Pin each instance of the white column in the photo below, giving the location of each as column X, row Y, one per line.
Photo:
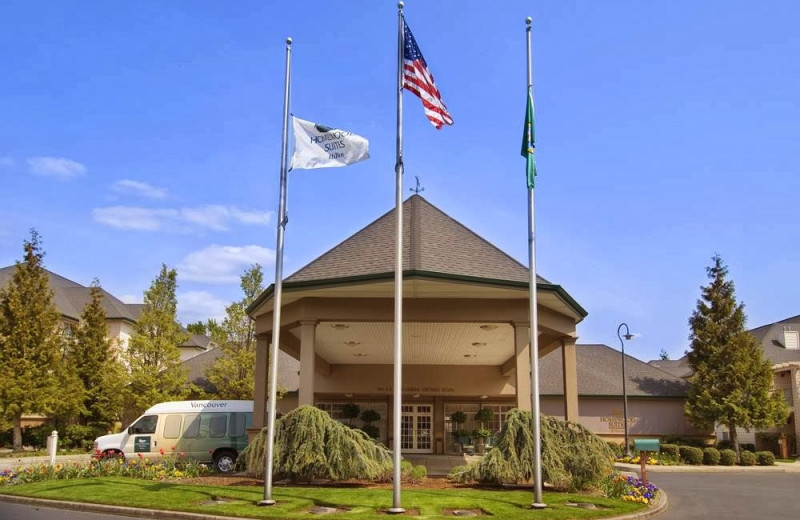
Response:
column 307, row 356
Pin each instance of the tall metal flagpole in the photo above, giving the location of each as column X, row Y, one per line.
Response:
column 398, row 274
column 534, row 328
column 276, row 298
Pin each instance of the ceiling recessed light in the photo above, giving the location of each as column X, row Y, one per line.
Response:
column 479, row 344
column 488, row 326
column 470, row 355
column 415, row 396
column 340, row 326
column 359, row 354
column 348, row 395
column 484, row 396
column 352, row 343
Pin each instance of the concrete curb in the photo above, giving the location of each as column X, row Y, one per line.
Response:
column 659, row 507
column 777, row 468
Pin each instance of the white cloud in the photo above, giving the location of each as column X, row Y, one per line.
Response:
column 200, row 306
column 139, row 188
column 139, row 219
column 131, row 298
column 222, row 264
column 56, row 167
column 214, row 217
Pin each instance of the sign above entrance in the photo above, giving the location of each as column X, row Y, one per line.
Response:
column 420, row 389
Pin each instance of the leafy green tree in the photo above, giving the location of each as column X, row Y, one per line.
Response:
column 97, row 365
column 210, row 328
column 31, row 344
column 663, row 355
column 732, row 382
column 233, row 373
column 153, row 357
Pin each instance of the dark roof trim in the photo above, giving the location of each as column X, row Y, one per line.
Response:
column 347, row 280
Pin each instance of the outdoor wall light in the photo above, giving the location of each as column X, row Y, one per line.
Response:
column 340, row 326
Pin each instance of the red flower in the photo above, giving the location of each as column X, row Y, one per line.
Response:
column 180, row 455
column 161, row 451
column 140, row 455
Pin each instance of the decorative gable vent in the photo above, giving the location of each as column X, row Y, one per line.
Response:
column 791, row 339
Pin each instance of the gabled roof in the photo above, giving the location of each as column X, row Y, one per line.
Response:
column 70, row 297
column 600, row 375
column 772, row 340
column 432, row 242
column 676, row 367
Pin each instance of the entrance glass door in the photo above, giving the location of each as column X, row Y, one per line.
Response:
column 416, row 428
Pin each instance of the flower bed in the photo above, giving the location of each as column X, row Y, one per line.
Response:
column 630, row 489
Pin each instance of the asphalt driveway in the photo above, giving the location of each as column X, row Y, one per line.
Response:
column 731, row 496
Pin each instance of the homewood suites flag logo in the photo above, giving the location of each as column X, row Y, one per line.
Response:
column 320, row 146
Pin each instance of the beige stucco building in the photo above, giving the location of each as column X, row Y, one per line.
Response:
column 465, row 329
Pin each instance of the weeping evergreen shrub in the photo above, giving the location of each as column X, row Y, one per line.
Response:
column 573, row 458
column 310, row 444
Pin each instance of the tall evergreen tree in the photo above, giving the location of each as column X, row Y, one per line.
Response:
column 97, row 364
column 153, row 357
column 732, row 382
column 233, row 373
column 31, row 344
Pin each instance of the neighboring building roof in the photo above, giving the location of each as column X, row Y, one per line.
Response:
column 600, row 375
column 432, row 242
column 71, row 297
column 676, row 367
column 288, row 369
column 771, row 338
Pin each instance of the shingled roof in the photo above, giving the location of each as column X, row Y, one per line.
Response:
column 772, row 340
column 71, row 297
column 432, row 242
column 600, row 375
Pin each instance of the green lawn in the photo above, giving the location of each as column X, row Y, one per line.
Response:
column 294, row 501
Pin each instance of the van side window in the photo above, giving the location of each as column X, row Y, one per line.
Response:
column 219, row 425
column 191, row 426
column 237, row 424
column 146, row 424
column 172, row 427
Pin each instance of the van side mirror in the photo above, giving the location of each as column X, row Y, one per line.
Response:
column 130, row 430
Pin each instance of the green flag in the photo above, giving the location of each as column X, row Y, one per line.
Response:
column 528, row 146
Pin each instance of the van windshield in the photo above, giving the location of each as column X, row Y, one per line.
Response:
column 146, row 424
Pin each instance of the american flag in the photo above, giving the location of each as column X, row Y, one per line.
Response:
column 419, row 80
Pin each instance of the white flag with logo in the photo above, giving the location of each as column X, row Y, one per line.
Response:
column 317, row 146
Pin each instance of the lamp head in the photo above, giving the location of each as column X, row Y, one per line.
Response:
column 628, row 336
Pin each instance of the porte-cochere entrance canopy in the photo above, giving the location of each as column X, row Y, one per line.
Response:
column 465, row 328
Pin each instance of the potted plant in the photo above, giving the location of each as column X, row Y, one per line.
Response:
column 350, row 411
column 482, row 416
column 460, row 434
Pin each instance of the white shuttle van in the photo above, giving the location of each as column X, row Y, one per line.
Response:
column 206, row 431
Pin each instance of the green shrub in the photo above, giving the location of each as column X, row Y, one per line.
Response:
column 691, row 455
column 711, row 456
column 727, row 457
column 670, row 450
column 36, row 436
column 80, row 437
column 724, row 444
column 370, row 429
column 483, row 415
column 370, row 416
column 747, row 458
column 765, row 458
column 458, row 417
column 418, row 473
column 617, row 448
column 310, row 445
column 749, row 446
column 684, row 441
column 573, row 457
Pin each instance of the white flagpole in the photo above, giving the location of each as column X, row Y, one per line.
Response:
column 276, row 297
column 398, row 276
column 534, row 328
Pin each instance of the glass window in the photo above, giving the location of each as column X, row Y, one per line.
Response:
column 146, row 424
column 191, row 426
column 172, row 426
column 219, row 425
column 237, row 424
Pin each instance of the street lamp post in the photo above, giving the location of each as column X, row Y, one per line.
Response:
column 629, row 337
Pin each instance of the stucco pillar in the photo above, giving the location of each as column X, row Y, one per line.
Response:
column 522, row 368
column 569, row 363
column 308, row 331
column 795, row 373
column 260, row 393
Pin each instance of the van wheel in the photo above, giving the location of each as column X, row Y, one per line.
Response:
column 224, row 461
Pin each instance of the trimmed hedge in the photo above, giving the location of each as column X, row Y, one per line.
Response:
column 617, row 448
column 747, row 458
column 765, row 458
column 727, row 457
column 691, row 455
column 670, row 450
column 711, row 456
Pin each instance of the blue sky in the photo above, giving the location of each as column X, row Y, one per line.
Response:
column 139, row 133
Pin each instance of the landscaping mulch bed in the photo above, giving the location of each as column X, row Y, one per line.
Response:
column 243, row 480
